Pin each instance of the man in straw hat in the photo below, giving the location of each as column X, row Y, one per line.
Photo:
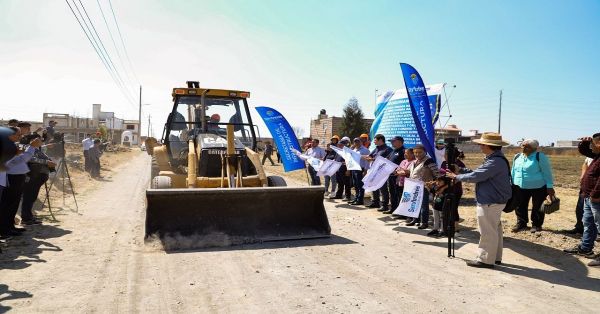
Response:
column 492, row 192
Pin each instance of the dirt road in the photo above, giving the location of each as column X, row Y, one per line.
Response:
column 97, row 262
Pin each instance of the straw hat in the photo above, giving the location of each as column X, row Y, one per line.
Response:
column 491, row 139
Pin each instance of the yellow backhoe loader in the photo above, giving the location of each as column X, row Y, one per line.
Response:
column 207, row 179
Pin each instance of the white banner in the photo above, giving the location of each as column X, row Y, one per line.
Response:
column 411, row 199
column 351, row 157
column 378, row 173
column 329, row 167
column 315, row 163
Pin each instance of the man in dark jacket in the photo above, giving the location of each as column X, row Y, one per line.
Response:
column 590, row 191
column 344, row 184
column 267, row 153
column 39, row 170
column 381, row 149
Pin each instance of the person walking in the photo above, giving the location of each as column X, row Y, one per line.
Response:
column 532, row 173
column 590, row 191
column 87, row 143
column 492, row 192
column 578, row 228
column 267, row 153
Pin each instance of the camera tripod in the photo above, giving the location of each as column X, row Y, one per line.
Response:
column 62, row 173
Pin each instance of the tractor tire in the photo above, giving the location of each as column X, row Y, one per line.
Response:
column 276, row 181
column 161, row 182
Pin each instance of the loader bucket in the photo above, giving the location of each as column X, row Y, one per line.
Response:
column 242, row 215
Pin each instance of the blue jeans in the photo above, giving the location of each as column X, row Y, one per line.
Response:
column 424, row 214
column 357, row 176
column 591, row 224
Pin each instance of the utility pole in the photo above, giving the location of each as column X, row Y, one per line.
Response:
column 148, row 135
column 500, row 112
column 140, row 119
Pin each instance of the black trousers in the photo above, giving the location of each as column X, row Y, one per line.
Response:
column 265, row 156
column 384, row 192
column 394, row 192
column 314, row 178
column 579, row 214
column 344, row 184
column 86, row 160
column 537, row 197
column 31, row 189
column 9, row 205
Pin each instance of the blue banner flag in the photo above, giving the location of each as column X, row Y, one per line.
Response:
column 283, row 136
column 393, row 114
column 419, row 105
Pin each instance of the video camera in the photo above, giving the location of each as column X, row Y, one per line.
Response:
column 7, row 147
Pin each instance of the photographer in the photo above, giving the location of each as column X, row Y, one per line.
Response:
column 40, row 166
column 94, row 154
column 16, row 170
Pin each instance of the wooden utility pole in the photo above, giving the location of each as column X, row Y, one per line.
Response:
column 500, row 112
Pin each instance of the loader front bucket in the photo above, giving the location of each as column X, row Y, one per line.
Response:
column 239, row 215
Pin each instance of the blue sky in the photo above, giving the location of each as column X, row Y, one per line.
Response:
column 302, row 56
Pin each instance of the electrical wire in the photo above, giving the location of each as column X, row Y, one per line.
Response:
column 123, row 42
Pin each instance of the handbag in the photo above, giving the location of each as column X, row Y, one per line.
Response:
column 550, row 205
column 514, row 200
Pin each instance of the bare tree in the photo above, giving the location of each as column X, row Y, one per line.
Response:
column 299, row 131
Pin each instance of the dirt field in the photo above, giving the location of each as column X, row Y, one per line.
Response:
column 96, row 261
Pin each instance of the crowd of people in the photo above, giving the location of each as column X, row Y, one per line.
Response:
column 495, row 180
column 28, row 159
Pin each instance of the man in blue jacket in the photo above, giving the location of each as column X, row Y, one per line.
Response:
column 492, row 192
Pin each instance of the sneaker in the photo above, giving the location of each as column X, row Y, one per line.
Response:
column 578, row 251
column 479, row 264
column 31, row 222
column 518, row 228
column 433, row 233
column 423, row 226
column 594, row 263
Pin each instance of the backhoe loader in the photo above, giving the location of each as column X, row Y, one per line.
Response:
column 207, row 179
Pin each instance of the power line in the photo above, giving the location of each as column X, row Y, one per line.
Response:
column 94, row 44
column 115, row 45
column 103, row 48
column 123, row 42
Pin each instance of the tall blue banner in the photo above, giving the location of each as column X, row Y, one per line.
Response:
column 393, row 114
column 283, row 136
column 419, row 104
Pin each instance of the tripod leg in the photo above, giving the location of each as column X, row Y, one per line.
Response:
column 72, row 189
column 48, row 198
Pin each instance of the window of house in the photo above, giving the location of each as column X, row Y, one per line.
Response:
column 130, row 127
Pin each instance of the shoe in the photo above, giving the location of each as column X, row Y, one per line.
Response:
column 433, row 233
column 334, row 197
column 373, row 205
column 423, row 226
column 348, row 200
column 593, row 256
column 411, row 223
column 578, row 251
column 31, row 222
column 389, row 211
column 326, row 193
column 383, row 208
column 535, row 229
column 18, row 230
column 498, row 262
column 594, row 263
column 518, row 228
column 479, row 264
column 442, row 235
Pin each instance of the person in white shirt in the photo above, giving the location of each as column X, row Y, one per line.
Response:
column 316, row 152
column 87, row 143
column 440, row 152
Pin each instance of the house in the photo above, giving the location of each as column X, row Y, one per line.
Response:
column 324, row 127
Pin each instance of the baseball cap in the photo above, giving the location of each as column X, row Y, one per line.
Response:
column 365, row 135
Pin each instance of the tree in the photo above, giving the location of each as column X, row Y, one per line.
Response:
column 299, row 131
column 353, row 124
